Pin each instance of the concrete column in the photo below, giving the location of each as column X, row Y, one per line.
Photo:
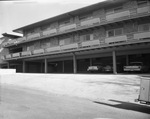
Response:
column 63, row 66
column 45, row 63
column 8, row 65
column 74, row 64
column 127, row 59
column 24, row 67
column 91, row 62
column 114, row 62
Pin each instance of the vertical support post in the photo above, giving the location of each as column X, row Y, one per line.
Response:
column 114, row 62
column 127, row 59
column 74, row 64
column 91, row 62
column 63, row 66
column 45, row 63
column 8, row 65
column 24, row 67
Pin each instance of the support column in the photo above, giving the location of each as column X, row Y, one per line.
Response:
column 114, row 62
column 91, row 62
column 127, row 59
column 74, row 64
column 24, row 67
column 45, row 63
column 63, row 66
column 8, row 65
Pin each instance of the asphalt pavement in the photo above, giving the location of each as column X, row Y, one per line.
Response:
column 23, row 103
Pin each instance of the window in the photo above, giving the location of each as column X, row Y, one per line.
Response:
column 110, row 33
column 113, row 10
column 118, row 31
column 118, row 9
column 142, row 2
column 85, row 17
column 109, row 11
column 87, row 37
column 54, row 42
column 64, row 22
column 144, row 27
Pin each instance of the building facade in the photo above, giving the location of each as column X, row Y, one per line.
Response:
column 7, row 37
column 108, row 33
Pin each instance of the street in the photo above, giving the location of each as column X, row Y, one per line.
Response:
column 24, row 103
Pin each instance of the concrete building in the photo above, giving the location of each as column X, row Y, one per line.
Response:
column 113, row 32
column 7, row 37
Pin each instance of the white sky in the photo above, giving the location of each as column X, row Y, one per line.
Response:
column 15, row 14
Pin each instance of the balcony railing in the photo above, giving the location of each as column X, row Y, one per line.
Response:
column 53, row 49
column 90, row 22
column 67, row 27
column 70, row 46
column 8, row 56
column 32, row 36
column 3, row 57
column 118, row 15
column 116, row 39
column 142, row 10
column 142, row 35
column 21, row 39
column 15, row 55
column 26, row 53
column 90, row 43
column 38, row 51
column 50, row 31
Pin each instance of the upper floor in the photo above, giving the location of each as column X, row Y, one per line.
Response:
column 120, row 33
column 89, row 17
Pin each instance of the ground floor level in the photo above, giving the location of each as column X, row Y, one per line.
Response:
column 79, row 61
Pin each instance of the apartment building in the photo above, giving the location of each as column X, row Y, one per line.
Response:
column 113, row 32
column 7, row 37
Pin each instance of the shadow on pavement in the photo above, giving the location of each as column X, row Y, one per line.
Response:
column 127, row 106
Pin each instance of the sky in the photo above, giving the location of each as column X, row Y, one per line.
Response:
column 16, row 14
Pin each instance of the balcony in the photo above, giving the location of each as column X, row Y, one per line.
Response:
column 15, row 55
column 116, row 39
column 20, row 39
column 67, row 27
column 32, row 36
column 90, row 43
column 53, row 49
column 26, row 53
column 8, row 56
column 90, row 22
column 3, row 57
column 38, row 51
column 118, row 15
column 70, row 46
column 143, row 10
column 50, row 31
column 142, row 35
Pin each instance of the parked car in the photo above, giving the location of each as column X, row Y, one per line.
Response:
column 95, row 69
column 107, row 68
column 136, row 67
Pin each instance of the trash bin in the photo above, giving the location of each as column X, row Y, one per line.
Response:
column 144, row 96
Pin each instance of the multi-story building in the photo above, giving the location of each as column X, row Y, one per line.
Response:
column 7, row 37
column 113, row 32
